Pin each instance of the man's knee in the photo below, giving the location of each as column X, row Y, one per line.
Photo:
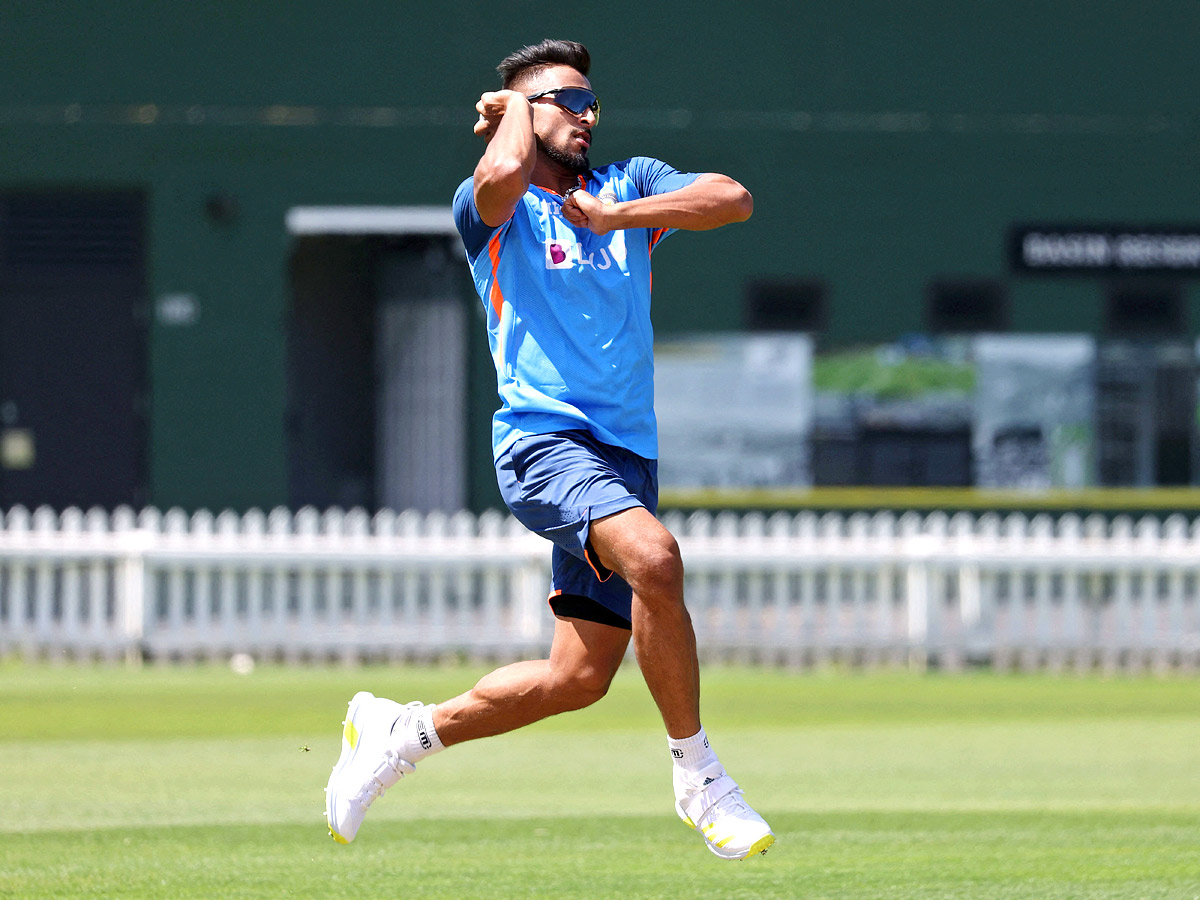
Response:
column 657, row 574
column 635, row 545
column 582, row 685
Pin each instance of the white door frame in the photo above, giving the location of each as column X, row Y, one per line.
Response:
column 435, row 221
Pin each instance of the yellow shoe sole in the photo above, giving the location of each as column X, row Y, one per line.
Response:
column 761, row 846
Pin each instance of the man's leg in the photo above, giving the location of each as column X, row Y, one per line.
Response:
column 636, row 546
column 383, row 740
column 584, row 657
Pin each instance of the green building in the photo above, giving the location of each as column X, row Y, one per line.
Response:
column 227, row 280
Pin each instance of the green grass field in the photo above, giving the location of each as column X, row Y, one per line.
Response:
column 193, row 782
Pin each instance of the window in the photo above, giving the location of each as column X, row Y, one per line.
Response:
column 1138, row 309
column 966, row 306
column 786, row 305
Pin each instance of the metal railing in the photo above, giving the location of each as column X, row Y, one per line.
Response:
column 798, row 589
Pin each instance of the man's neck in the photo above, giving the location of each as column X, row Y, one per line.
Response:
column 551, row 176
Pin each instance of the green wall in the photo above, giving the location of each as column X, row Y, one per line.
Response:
column 886, row 144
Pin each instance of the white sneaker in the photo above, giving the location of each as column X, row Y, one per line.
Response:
column 368, row 765
column 731, row 829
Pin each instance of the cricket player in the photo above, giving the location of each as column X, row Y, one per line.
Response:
column 560, row 253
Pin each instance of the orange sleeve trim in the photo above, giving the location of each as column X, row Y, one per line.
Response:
column 656, row 236
column 496, row 296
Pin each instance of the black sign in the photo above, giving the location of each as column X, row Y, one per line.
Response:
column 1093, row 250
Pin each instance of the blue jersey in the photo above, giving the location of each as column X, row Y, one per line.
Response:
column 568, row 311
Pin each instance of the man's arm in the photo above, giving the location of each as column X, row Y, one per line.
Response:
column 712, row 200
column 502, row 174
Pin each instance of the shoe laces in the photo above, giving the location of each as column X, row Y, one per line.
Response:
column 731, row 805
column 374, row 788
column 372, row 791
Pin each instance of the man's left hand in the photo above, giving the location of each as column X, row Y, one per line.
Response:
column 583, row 210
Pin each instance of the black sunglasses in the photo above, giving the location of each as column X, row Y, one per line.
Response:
column 577, row 100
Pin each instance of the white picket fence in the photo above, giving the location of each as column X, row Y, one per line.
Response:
column 798, row 589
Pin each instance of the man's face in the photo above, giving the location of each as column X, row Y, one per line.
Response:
column 562, row 135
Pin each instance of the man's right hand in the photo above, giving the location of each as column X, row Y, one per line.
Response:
column 491, row 108
column 503, row 172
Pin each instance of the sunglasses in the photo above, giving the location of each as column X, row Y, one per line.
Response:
column 577, row 100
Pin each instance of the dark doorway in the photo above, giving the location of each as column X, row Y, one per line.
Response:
column 1146, row 413
column 72, row 348
column 377, row 373
column 331, row 384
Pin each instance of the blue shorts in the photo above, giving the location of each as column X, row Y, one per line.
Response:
column 556, row 485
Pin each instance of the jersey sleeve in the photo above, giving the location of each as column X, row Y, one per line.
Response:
column 653, row 176
column 475, row 232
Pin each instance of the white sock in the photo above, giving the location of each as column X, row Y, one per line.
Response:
column 415, row 736
column 694, row 758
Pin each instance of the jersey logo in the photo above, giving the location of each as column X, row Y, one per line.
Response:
column 557, row 256
column 561, row 253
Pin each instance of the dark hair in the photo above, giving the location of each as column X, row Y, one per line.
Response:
column 528, row 61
